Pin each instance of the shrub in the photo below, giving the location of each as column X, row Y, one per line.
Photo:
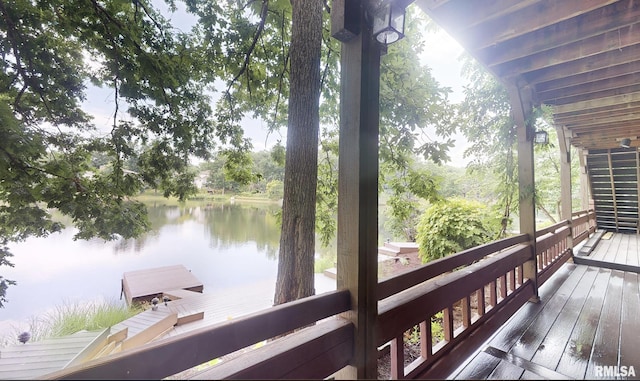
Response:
column 454, row 225
column 275, row 189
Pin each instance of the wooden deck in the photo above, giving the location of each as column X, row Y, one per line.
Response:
column 218, row 306
column 143, row 285
column 35, row 359
column 585, row 324
column 615, row 251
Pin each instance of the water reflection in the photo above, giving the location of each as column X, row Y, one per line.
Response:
column 225, row 224
column 224, row 245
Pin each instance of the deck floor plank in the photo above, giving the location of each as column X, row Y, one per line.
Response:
column 632, row 257
column 623, row 249
column 506, row 371
column 608, row 331
column 480, row 368
column 605, row 247
column 533, row 336
column 575, row 358
column 629, row 353
column 553, row 346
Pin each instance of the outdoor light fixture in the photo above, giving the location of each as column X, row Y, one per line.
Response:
column 541, row 137
column 154, row 303
column 625, row 143
column 388, row 23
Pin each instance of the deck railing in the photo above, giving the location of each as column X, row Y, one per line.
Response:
column 452, row 305
column 553, row 248
column 583, row 224
column 474, row 285
column 467, row 295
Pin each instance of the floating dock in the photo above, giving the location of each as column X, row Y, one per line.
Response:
column 144, row 285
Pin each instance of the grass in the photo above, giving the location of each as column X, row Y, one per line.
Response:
column 70, row 318
column 324, row 262
column 150, row 196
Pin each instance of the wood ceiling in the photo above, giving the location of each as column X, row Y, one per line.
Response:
column 580, row 56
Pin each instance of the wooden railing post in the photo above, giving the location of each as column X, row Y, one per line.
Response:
column 357, row 237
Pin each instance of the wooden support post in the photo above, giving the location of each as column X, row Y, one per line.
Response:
column 522, row 106
column 587, row 201
column 565, row 174
column 357, row 238
column 566, row 201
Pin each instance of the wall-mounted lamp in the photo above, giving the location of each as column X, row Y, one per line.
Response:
column 541, row 137
column 625, row 143
column 388, row 23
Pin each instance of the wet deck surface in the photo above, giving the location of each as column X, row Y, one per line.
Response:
column 587, row 319
column 614, row 251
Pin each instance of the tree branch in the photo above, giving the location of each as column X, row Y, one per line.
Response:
column 256, row 37
column 285, row 53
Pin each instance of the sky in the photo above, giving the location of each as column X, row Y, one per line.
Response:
column 441, row 54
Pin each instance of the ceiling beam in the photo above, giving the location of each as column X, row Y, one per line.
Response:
column 626, row 118
column 596, row 95
column 592, row 76
column 600, row 117
column 595, row 111
column 609, row 101
column 563, row 96
column 584, row 65
column 526, row 20
column 612, row 40
column 475, row 12
column 604, row 128
column 595, row 22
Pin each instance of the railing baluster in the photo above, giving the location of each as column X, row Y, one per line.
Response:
column 547, row 256
column 466, row 312
column 493, row 294
column 426, row 339
column 512, row 280
column 447, row 322
column 481, row 302
column 397, row 358
column 541, row 261
column 521, row 274
column 503, row 286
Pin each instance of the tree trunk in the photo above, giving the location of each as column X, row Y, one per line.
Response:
column 297, row 240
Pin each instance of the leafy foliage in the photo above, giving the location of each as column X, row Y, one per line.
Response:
column 275, row 189
column 414, row 110
column 454, row 225
column 51, row 51
column 485, row 119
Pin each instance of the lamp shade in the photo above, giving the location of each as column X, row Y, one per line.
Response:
column 541, row 137
column 388, row 23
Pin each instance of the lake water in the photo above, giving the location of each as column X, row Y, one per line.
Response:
column 224, row 245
